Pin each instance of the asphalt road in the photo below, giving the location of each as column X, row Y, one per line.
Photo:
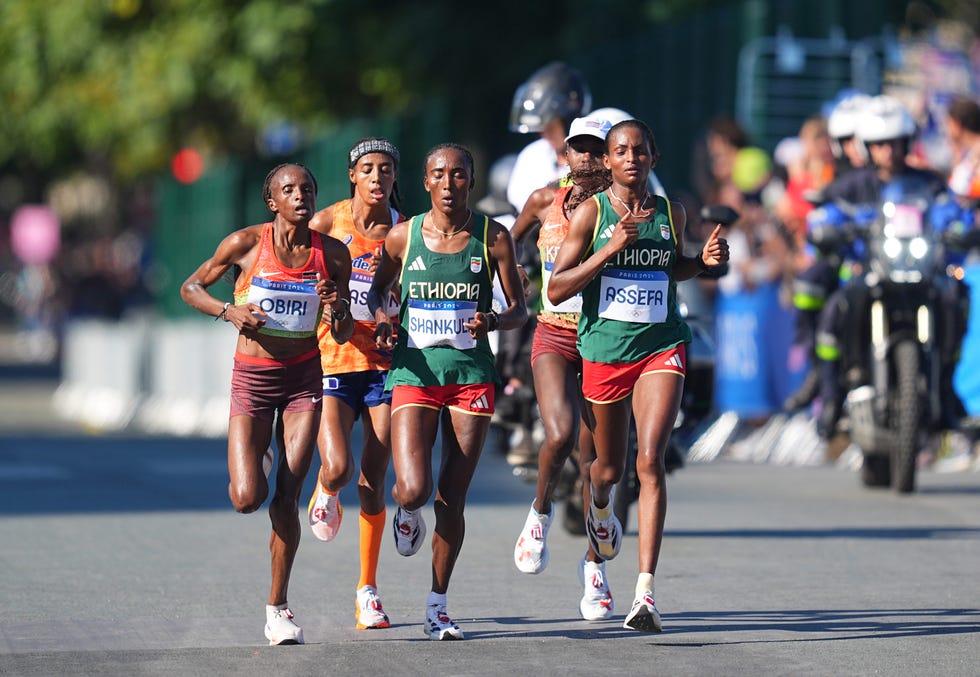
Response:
column 121, row 556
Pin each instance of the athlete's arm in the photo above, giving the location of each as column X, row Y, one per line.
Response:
column 572, row 271
column 714, row 252
column 236, row 249
column 337, row 258
column 389, row 266
column 535, row 210
column 503, row 257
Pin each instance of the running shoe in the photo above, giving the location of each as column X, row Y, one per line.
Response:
column 597, row 601
column 605, row 536
column 280, row 628
column 438, row 624
column 370, row 615
column 531, row 551
column 409, row 530
column 325, row 513
column 644, row 615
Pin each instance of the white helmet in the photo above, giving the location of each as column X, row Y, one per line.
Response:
column 613, row 115
column 884, row 119
column 842, row 121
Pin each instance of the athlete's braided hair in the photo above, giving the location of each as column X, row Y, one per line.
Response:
column 467, row 155
column 647, row 135
column 267, row 184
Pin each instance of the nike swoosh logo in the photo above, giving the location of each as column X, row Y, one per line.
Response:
column 317, row 399
column 551, row 226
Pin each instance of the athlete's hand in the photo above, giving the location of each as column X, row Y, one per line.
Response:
column 383, row 336
column 624, row 234
column 326, row 289
column 525, row 281
column 246, row 318
column 715, row 251
column 480, row 326
column 375, row 260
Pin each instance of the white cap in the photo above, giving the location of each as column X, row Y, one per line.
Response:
column 614, row 115
column 589, row 126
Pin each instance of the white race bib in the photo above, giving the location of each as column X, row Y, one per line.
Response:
column 289, row 306
column 634, row 295
column 572, row 305
column 360, row 284
column 440, row 323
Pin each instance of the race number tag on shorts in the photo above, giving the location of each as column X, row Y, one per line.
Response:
column 289, row 306
column 572, row 305
column 360, row 284
column 634, row 295
column 440, row 323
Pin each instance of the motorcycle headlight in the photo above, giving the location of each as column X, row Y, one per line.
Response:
column 918, row 247
column 892, row 247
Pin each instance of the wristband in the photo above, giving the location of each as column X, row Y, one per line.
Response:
column 493, row 321
column 701, row 264
column 223, row 314
column 342, row 315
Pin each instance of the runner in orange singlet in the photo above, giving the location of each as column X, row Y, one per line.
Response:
column 289, row 275
column 355, row 372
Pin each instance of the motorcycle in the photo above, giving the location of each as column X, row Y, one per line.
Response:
column 897, row 319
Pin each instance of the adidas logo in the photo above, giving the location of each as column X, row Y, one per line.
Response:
column 480, row 403
column 675, row 361
column 417, row 264
column 607, row 233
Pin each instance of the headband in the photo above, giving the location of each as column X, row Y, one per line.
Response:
column 373, row 146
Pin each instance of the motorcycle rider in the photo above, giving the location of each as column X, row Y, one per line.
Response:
column 814, row 285
column 545, row 104
column 884, row 133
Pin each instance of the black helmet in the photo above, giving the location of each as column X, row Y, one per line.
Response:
column 553, row 91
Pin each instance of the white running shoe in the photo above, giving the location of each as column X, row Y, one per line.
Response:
column 409, row 531
column 597, row 601
column 325, row 513
column 370, row 615
column 644, row 615
column 531, row 551
column 438, row 624
column 279, row 626
column 605, row 536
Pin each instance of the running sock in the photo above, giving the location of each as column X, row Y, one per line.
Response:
column 371, row 528
column 601, row 513
column 436, row 598
column 644, row 583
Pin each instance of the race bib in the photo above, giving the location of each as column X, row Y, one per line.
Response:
column 289, row 306
column 633, row 295
column 440, row 323
column 572, row 305
column 360, row 284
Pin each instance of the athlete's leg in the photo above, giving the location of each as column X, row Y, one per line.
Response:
column 299, row 436
column 413, row 432
column 248, row 438
column 556, row 385
column 336, row 456
column 375, row 457
column 463, row 435
column 611, row 434
column 656, row 401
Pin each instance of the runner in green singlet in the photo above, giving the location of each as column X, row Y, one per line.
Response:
column 442, row 370
column 623, row 253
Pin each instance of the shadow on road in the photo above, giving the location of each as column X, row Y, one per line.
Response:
column 827, row 624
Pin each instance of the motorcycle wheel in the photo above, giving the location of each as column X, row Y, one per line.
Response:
column 906, row 416
column 876, row 471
